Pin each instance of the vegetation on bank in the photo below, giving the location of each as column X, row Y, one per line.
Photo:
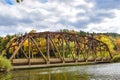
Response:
column 5, row 64
column 116, row 58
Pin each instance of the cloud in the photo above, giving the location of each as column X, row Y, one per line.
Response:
column 52, row 15
column 107, row 24
column 107, row 4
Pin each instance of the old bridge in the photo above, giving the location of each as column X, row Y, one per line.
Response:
column 55, row 48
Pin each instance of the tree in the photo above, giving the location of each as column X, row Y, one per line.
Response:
column 107, row 41
column 32, row 31
column 18, row 1
column 82, row 33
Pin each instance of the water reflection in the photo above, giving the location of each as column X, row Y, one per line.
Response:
column 89, row 72
column 5, row 76
column 46, row 74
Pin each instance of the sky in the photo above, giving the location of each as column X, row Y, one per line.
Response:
column 52, row 15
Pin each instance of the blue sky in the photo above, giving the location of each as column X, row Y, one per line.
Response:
column 9, row 2
column 52, row 15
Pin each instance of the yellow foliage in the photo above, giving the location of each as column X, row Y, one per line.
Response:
column 3, row 52
column 55, row 40
column 42, row 42
column 107, row 41
column 34, row 52
column 26, row 43
column 73, row 32
column 13, row 44
column 11, row 50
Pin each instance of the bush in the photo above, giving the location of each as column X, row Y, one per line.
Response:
column 5, row 64
column 116, row 58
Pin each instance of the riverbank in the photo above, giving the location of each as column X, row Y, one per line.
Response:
column 5, row 64
column 116, row 58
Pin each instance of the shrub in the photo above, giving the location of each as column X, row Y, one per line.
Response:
column 116, row 58
column 5, row 64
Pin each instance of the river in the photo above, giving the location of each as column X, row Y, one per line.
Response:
column 84, row 72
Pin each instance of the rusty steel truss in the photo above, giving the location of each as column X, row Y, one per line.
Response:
column 56, row 47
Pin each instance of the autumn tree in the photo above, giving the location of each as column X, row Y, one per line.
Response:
column 18, row 1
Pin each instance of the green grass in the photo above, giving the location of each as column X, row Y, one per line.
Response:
column 5, row 64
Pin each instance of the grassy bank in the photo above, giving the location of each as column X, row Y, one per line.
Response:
column 116, row 58
column 5, row 64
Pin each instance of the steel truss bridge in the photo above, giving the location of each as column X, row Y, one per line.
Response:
column 55, row 48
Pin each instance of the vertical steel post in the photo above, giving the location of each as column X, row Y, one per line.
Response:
column 47, row 48
column 63, row 50
column 29, row 47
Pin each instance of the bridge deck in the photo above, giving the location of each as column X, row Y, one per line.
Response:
column 17, row 62
column 56, row 65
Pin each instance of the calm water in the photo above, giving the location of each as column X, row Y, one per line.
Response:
column 88, row 72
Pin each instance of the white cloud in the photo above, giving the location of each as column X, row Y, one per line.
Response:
column 54, row 15
column 107, row 25
column 51, row 19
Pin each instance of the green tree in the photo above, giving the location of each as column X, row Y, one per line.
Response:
column 18, row 1
column 82, row 33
